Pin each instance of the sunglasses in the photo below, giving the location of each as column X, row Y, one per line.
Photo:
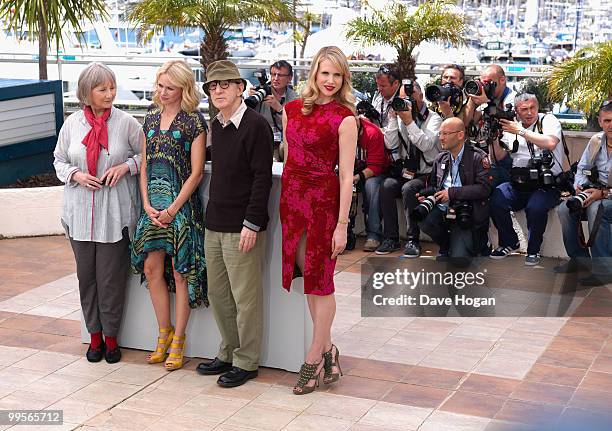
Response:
column 212, row 86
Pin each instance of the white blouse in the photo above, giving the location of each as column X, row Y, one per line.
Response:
column 99, row 215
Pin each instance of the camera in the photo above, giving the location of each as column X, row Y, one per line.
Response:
column 425, row 207
column 437, row 93
column 366, row 109
column 261, row 91
column 575, row 203
column 539, row 168
column 461, row 213
column 492, row 129
column 476, row 87
column 403, row 104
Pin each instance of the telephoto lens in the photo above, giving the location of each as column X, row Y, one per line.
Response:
column 400, row 104
column 422, row 209
column 255, row 99
column 575, row 203
column 473, row 87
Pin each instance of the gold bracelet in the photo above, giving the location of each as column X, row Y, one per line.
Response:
column 345, row 221
column 168, row 212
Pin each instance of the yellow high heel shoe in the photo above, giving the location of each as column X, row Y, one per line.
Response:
column 162, row 346
column 175, row 358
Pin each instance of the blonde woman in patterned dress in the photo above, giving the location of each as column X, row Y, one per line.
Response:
column 169, row 242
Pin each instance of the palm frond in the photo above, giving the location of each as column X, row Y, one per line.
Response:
column 584, row 78
column 397, row 26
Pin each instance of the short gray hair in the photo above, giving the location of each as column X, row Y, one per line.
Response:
column 524, row 97
column 94, row 74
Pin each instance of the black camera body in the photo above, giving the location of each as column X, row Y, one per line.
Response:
column 424, row 208
column 492, row 128
column 261, row 91
column 400, row 104
column 540, row 168
column 476, row 87
column 437, row 93
column 368, row 110
column 460, row 212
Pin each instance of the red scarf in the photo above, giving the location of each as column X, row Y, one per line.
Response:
column 96, row 137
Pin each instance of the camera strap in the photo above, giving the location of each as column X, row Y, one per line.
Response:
column 565, row 149
column 594, row 230
column 383, row 112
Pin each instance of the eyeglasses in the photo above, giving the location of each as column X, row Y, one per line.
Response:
column 279, row 75
column 445, row 134
column 384, row 70
column 606, row 103
column 212, row 86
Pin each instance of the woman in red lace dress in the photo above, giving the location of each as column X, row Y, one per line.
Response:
column 320, row 133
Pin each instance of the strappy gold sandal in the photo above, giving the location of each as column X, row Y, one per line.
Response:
column 308, row 373
column 162, row 346
column 331, row 361
column 175, row 358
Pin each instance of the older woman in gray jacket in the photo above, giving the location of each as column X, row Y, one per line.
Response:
column 98, row 158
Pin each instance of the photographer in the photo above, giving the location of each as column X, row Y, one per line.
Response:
column 535, row 165
column 412, row 138
column 460, row 220
column 452, row 75
column 370, row 162
column 593, row 182
column 492, row 77
column 271, row 107
column 387, row 82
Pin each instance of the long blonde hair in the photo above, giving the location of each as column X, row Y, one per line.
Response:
column 181, row 75
column 310, row 93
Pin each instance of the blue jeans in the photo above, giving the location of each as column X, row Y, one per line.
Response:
column 506, row 198
column 371, row 207
column 500, row 171
column 601, row 250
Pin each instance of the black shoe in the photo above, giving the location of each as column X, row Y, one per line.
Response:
column 236, row 377
column 113, row 356
column 96, row 355
column 388, row 246
column 412, row 249
column 594, row 280
column 217, row 366
column 442, row 256
column 571, row 266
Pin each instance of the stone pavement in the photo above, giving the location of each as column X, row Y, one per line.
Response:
column 459, row 373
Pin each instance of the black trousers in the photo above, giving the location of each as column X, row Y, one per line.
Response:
column 391, row 189
column 102, row 270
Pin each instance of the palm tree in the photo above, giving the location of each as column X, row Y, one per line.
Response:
column 395, row 25
column 584, row 78
column 46, row 18
column 214, row 17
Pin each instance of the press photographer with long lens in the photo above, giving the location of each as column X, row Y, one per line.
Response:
column 270, row 96
column 490, row 94
column 448, row 97
column 371, row 160
column 412, row 138
column 536, row 164
column 593, row 185
column 456, row 216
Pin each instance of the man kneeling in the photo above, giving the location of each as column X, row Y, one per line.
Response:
column 458, row 219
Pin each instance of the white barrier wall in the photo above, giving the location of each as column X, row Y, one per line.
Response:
column 31, row 211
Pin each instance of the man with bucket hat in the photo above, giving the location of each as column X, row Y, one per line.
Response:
column 236, row 219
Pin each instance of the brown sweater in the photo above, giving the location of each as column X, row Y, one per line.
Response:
column 241, row 175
